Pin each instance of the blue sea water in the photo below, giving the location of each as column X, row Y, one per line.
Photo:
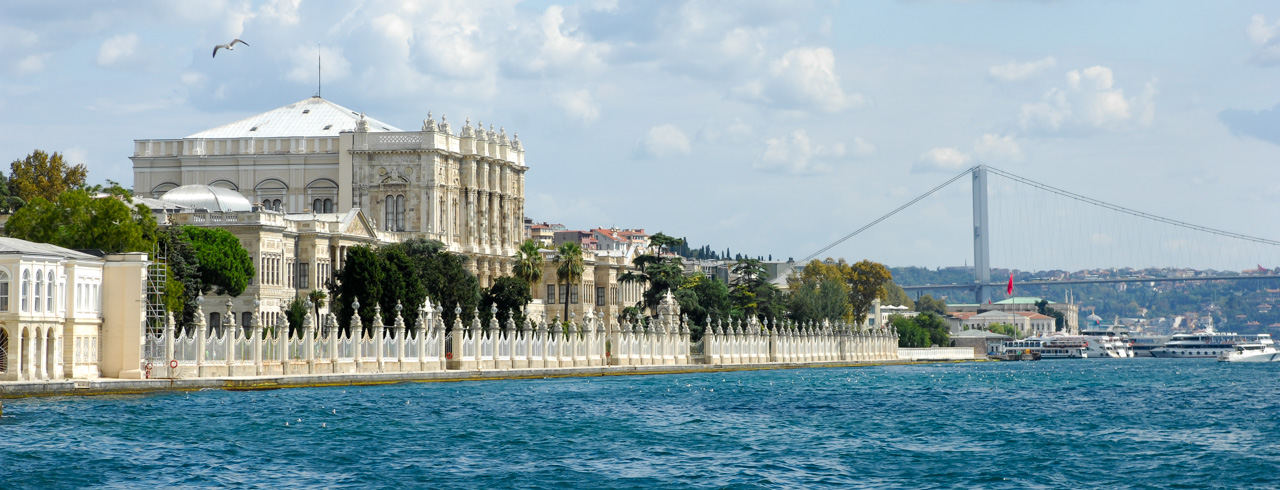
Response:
column 1125, row 422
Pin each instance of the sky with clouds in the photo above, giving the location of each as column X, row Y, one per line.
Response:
column 771, row 128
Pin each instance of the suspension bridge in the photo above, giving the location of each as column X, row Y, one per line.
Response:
column 1087, row 230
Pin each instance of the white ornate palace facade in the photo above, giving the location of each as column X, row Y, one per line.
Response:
column 465, row 190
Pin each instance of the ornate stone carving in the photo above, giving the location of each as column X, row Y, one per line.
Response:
column 429, row 124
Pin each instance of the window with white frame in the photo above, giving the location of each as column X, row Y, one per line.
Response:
column 4, row 291
column 39, row 302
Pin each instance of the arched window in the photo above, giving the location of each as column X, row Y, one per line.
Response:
column 39, row 290
column 159, row 190
column 323, row 193
column 49, row 296
column 400, row 212
column 26, row 289
column 4, row 292
column 389, row 213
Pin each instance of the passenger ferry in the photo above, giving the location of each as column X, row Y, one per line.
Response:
column 1053, row 347
column 1261, row 350
column 1201, row 344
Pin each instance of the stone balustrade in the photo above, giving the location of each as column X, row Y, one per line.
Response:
column 256, row 349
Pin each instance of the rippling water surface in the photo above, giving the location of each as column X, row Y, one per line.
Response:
column 1139, row 422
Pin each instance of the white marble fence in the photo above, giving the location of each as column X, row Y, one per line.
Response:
column 256, row 349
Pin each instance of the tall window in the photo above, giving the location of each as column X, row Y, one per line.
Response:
column 39, row 290
column 564, row 293
column 551, row 294
column 26, row 289
column 394, row 212
column 573, row 294
column 49, row 296
column 4, row 291
column 599, row 296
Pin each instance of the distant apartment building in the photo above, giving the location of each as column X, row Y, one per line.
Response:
column 620, row 239
column 544, row 233
column 584, row 239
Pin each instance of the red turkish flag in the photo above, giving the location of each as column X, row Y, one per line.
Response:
column 1009, row 290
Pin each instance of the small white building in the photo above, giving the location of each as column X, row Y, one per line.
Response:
column 69, row 314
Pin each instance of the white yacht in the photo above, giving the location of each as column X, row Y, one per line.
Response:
column 1201, row 344
column 1261, row 350
column 1106, row 343
column 1050, row 347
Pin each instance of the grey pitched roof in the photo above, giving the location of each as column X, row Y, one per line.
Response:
column 18, row 246
column 310, row 117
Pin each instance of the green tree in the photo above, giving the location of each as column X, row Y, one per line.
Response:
column 360, row 280
column 1059, row 320
column 510, row 295
column 923, row 330
column 703, row 298
column 752, row 294
column 223, row 264
column 1005, row 329
column 928, row 304
column 569, row 268
column 8, row 202
column 818, row 300
column 664, row 242
column 528, row 265
column 866, row 280
column 317, row 298
column 895, row 295
column 78, row 220
column 43, row 175
column 296, row 314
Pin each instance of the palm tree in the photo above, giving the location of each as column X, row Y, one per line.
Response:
column 528, row 266
column 317, row 298
column 569, row 268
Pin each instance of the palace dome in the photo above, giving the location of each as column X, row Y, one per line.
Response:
column 216, row 199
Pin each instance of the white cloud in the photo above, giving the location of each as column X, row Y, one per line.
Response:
column 862, row 148
column 32, row 64
column 117, row 50
column 1014, row 71
column 803, row 78
column 1091, row 101
column 994, row 148
column 798, row 154
column 579, row 105
column 559, row 45
column 943, row 160
column 733, row 131
column 75, row 155
column 665, row 141
column 1263, row 34
column 1259, row 31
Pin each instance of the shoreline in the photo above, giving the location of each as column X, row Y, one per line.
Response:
column 109, row 386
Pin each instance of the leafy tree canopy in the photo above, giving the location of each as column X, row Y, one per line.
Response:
column 43, row 175
column 509, row 295
column 223, row 263
column 78, row 220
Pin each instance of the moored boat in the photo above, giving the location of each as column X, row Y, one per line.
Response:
column 1261, row 350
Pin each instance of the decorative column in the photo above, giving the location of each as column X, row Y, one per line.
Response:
column 418, row 328
column 331, row 332
column 508, row 360
column 309, row 337
column 282, row 340
column 202, row 335
column 355, row 333
column 400, row 338
column 255, row 324
column 229, row 336
column 378, row 331
column 457, row 341
column 168, row 344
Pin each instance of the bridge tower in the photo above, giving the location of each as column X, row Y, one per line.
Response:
column 981, row 236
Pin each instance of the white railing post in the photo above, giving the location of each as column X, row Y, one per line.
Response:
column 400, row 338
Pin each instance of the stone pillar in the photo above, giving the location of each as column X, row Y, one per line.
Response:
column 169, row 336
column 378, row 331
column 400, row 338
column 282, row 341
column 458, row 340
column 229, row 335
column 331, row 332
column 308, row 338
column 355, row 333
column 256, row 343
column 202, row 335
column 419, row 327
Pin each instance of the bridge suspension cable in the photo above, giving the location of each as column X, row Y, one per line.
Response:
column 1131, row 212
column 887, row 216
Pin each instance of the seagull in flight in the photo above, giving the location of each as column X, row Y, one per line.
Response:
column 229, row 46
